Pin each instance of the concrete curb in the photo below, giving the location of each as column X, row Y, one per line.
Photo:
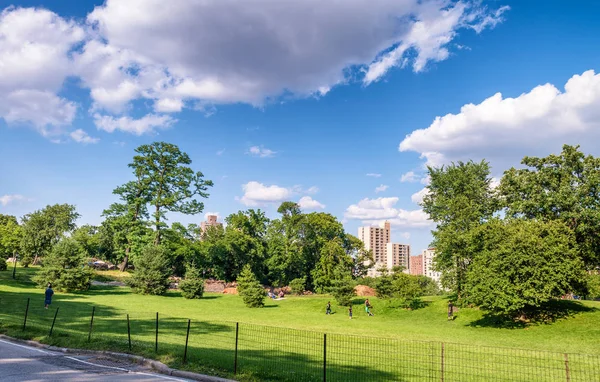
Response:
column 155, row 365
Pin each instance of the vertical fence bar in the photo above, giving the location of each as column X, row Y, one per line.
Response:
column 91, row 324
column 156, row 337
column 187, row 336
column 442, row 362
column 237, row 333
column 26, row 311
column 53, row 321
column 128, row 332
column 324, row 357
column 567, row 371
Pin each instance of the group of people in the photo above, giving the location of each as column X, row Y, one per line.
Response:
column 368, row 308
column 274, row 296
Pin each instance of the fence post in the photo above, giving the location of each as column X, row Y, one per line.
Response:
column 324, row 357
column 15, row 267
column 567, row 367
column 187, row 336
column 156, row 337
column 91, row 324
column 53, row 321
column 237, row 333
column 26, row 311
column 442, row 362
column 128, row 332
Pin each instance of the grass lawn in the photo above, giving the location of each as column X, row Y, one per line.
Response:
column 396, row 337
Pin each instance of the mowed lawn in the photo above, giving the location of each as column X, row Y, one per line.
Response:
column 213, row 328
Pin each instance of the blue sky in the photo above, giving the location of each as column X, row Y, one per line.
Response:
column 298, row 102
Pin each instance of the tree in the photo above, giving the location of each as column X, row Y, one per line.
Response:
column 334, row 264
column 521, row 265
column 460, row 199
column 86, row 237
column 193, row 284
column 298, row 285
column 44, row 228
column 400, row 287
column 152, row 272
column 3, row 265
column 65, row 267
column 342, row 289
column 564, row 187
column 171, row 185
column 11, row 235
column 250, row 289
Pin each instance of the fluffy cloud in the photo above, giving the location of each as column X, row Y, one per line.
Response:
column 312, row 190
column 146, row 124
column 381, row 188
column 308, row 203
column 261, row 152
column 9, row 199
column 373, row 175
column 376, row 211
column 418, row 196
column 81, row 136
column 503, row 130
column 256, row 194
column 408, row 177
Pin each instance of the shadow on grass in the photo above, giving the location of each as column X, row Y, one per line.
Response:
column 547, row 314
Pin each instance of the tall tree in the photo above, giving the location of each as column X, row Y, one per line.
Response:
column 44, row 228
column 11, row 234
column 460, row 199
column 171, row 184
column 564, row 187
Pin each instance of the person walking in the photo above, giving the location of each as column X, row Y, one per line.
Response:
column 350, row 311
column 49, row 294
column 328, row 309
column 368, row 307
column 450, row 310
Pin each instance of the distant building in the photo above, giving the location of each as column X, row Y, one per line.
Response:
column 385, row 253
column 397, row 255
column 211, row 221
column 416, row 265
column 428, row 265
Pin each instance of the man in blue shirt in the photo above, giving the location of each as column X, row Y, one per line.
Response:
column 49, row 293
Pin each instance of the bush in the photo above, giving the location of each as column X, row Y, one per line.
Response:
column 152, row 272
column 193, row 284
column 402, row 289
column 298, row 285
column 593, row 286
column 250, row 289
column 65, row 268
column 343, row 291
column 3, row 265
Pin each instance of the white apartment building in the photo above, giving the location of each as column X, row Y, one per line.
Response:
column 385, row 253
column 397, row 255
column 428, row 256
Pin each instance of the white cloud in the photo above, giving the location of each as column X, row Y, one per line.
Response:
column 147, row 124
column 373, row 175
column 256, row 194
column 418, row 196
column 168, row 105
column 408, row 177
column 376, row 211
column 261, row 152
column 425, row 180
column 503, row 130
column 312, row 190
column 308, row 203
column 405, row 235
column 9, row 199
column 220, row 152
column 81, row 136
column 381, row 188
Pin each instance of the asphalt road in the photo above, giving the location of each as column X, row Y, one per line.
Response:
column 24, row 363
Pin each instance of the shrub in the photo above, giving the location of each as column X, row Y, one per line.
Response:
column 593, row 286
column 343, row 290
column 3, row 265
column 250, row 289
column 65, row 268
column 402, row 289
column 193, row 284
column 152, row 271
column 298, row 285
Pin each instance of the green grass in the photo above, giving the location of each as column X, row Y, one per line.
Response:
column 284, row 340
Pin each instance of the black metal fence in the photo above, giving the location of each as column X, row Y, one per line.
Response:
column 257, row 352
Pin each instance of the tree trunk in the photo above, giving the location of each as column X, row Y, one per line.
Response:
column 123, row 265
column 157, row 239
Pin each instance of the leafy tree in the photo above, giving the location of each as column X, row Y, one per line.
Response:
column 460, row 199
column 298, row 285
column 521, row 265
column 11, row 235
column 428, row 286
column 564, row 187
column 152, row 272
column 44, row 228
column 65, row 267
column 400, row 287
column 250, row 289
column 3, row 265
column 334, row 264
column 170, row 184
column 384, row 287
column 86, row 237
column 193, row 284
column 593, row 285
column 342, row 289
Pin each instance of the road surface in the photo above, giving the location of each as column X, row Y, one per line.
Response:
column 23, row 363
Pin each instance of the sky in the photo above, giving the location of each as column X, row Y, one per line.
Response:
column 337, row 105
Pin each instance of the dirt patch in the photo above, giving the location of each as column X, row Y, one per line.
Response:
column 363, row 290
column 230, row 290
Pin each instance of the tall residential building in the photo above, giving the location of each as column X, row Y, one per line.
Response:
column 428, row 256
column 385, row 253
column 397, row 255
column 416, row 265
column 211, row 221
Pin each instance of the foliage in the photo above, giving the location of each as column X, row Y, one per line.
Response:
column 193, row 284
column 10, row 236
column 66, row 267
column 297, row 285
column 593, row 285
column 400, row 287
column 560, row 187
column 44, row 228
column 250, row 289
column 460, row 199
column 152, row 271
column 3, row 264
column 428, row 286
column 342, row 289
column 521, row 265
column 334, row 263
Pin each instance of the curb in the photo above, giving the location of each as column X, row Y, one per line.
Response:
column 155, row 365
